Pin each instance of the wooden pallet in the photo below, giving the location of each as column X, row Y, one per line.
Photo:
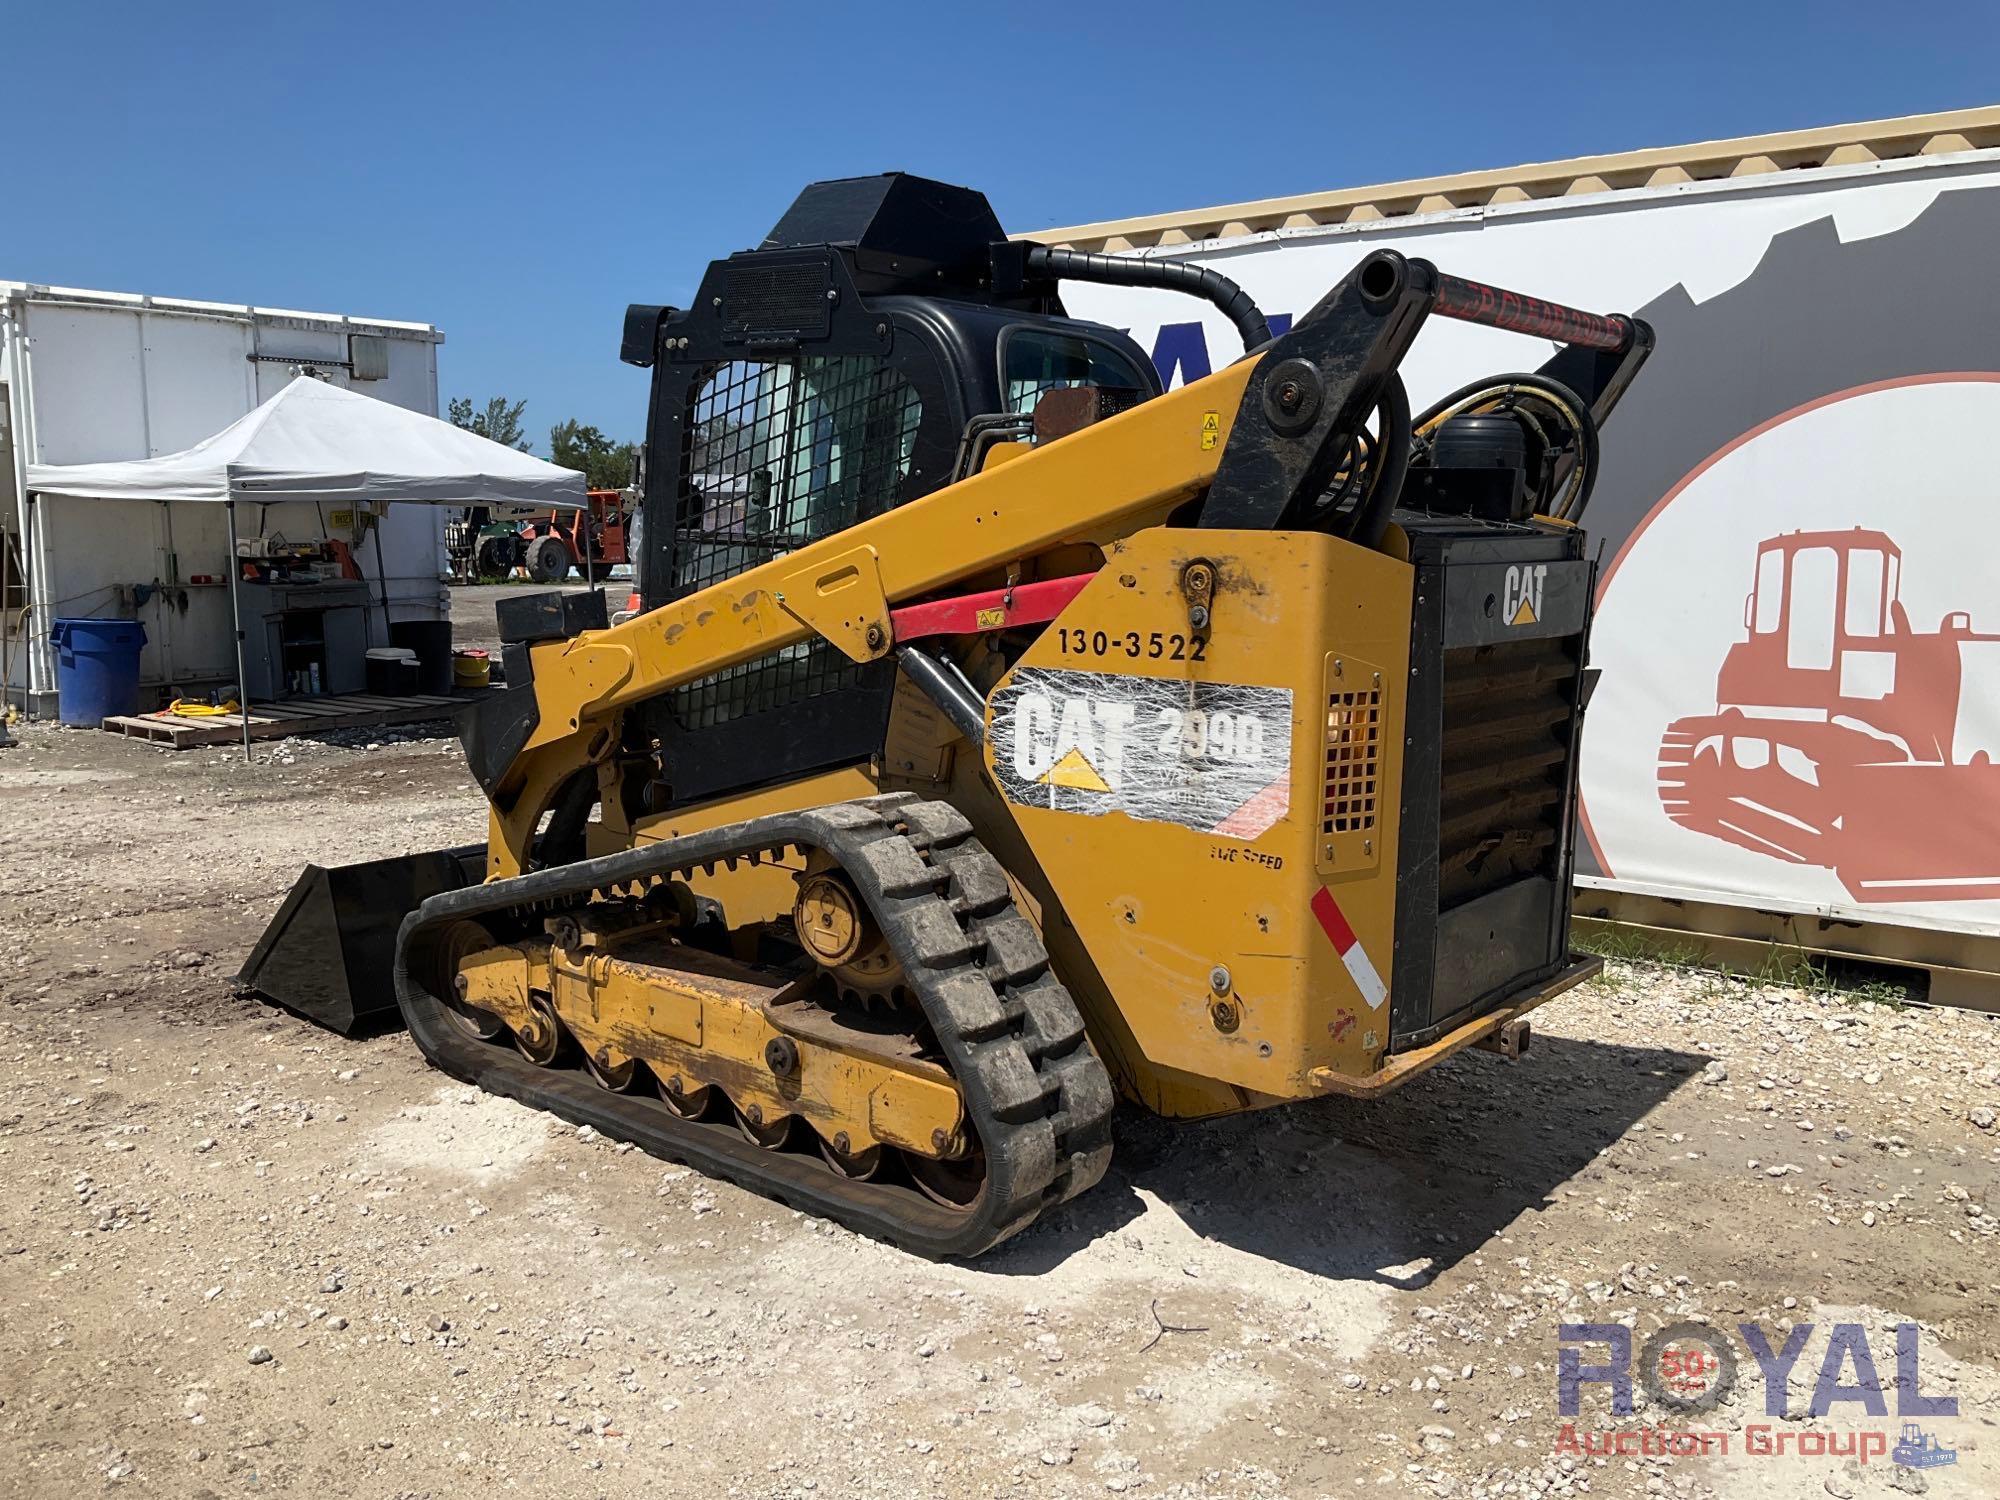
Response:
column 288, row 716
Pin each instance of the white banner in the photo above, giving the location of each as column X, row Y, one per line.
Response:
column 1799, row 609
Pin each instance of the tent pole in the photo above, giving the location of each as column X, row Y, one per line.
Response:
column 236, row 620
column 382, row 575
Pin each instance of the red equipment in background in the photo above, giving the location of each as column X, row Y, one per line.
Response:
column 1840, row 737
column 563, row 540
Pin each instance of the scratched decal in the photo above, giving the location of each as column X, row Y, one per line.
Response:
column 1213, row 756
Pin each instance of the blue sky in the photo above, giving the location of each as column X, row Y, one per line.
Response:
column 516, row 174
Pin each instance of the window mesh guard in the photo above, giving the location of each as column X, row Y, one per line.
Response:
column 777, row 454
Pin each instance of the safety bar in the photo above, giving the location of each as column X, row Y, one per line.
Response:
column 1496, row 307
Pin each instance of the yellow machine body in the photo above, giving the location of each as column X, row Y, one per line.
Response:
column 1157, row 908
column 1172, row 766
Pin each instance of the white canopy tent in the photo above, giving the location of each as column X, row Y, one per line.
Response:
column 317, row 442
column 314, row 442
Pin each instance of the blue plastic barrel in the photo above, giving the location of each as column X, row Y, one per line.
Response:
column 97, row 668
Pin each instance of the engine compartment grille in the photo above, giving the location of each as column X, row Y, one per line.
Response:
column 1353, row 760
column 1508, row 711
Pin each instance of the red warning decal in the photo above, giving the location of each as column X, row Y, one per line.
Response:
column 1333, row 922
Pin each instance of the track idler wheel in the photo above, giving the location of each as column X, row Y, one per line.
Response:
column 461, row 940
column 541, row 1038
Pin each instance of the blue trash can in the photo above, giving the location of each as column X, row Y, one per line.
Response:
column 97, row 668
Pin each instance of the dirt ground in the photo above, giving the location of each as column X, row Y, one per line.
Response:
column 239, row 1254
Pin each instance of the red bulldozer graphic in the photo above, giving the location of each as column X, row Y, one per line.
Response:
column 1839, row 738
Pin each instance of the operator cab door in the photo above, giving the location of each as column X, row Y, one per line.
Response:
column 771, row 451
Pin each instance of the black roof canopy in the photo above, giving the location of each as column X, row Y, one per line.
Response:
column 898, row 229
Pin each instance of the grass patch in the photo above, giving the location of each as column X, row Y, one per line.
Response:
column 1852, row 980
column 1632, row 946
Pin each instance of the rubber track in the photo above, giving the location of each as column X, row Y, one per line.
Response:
column 1035, row 1094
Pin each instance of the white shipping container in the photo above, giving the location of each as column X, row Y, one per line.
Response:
column 1798, row 619
column 88, row 376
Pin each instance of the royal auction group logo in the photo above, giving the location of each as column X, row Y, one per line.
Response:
column 1688, row 1369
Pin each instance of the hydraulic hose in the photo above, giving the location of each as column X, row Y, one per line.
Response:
column 1172, row 275
column 1392, row 450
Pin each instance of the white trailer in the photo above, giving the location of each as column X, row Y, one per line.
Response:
column 88, row 376
column 1796, row 737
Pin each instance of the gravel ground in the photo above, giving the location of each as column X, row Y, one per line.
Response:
column 238, row 1253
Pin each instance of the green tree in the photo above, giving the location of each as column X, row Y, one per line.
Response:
column 500, row 422
column 605, row 465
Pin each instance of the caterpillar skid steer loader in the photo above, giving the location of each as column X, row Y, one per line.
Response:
column 1002, row 734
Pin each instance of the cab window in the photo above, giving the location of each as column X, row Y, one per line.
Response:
column 1036, row 360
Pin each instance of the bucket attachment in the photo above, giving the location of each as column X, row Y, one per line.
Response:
column 330, row 952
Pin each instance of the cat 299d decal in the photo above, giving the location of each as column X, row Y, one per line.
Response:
column 1212, row 756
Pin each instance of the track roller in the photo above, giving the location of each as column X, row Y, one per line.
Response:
column 627, row 1077
column 773, row 1131
column 857, row 1165
column 948, row 1183
column 684, row 1102
column 461, row 940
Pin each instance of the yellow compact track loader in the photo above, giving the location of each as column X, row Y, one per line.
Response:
column 1002, row 734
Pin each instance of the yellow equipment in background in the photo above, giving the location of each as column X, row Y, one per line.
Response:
column 1004, row 734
